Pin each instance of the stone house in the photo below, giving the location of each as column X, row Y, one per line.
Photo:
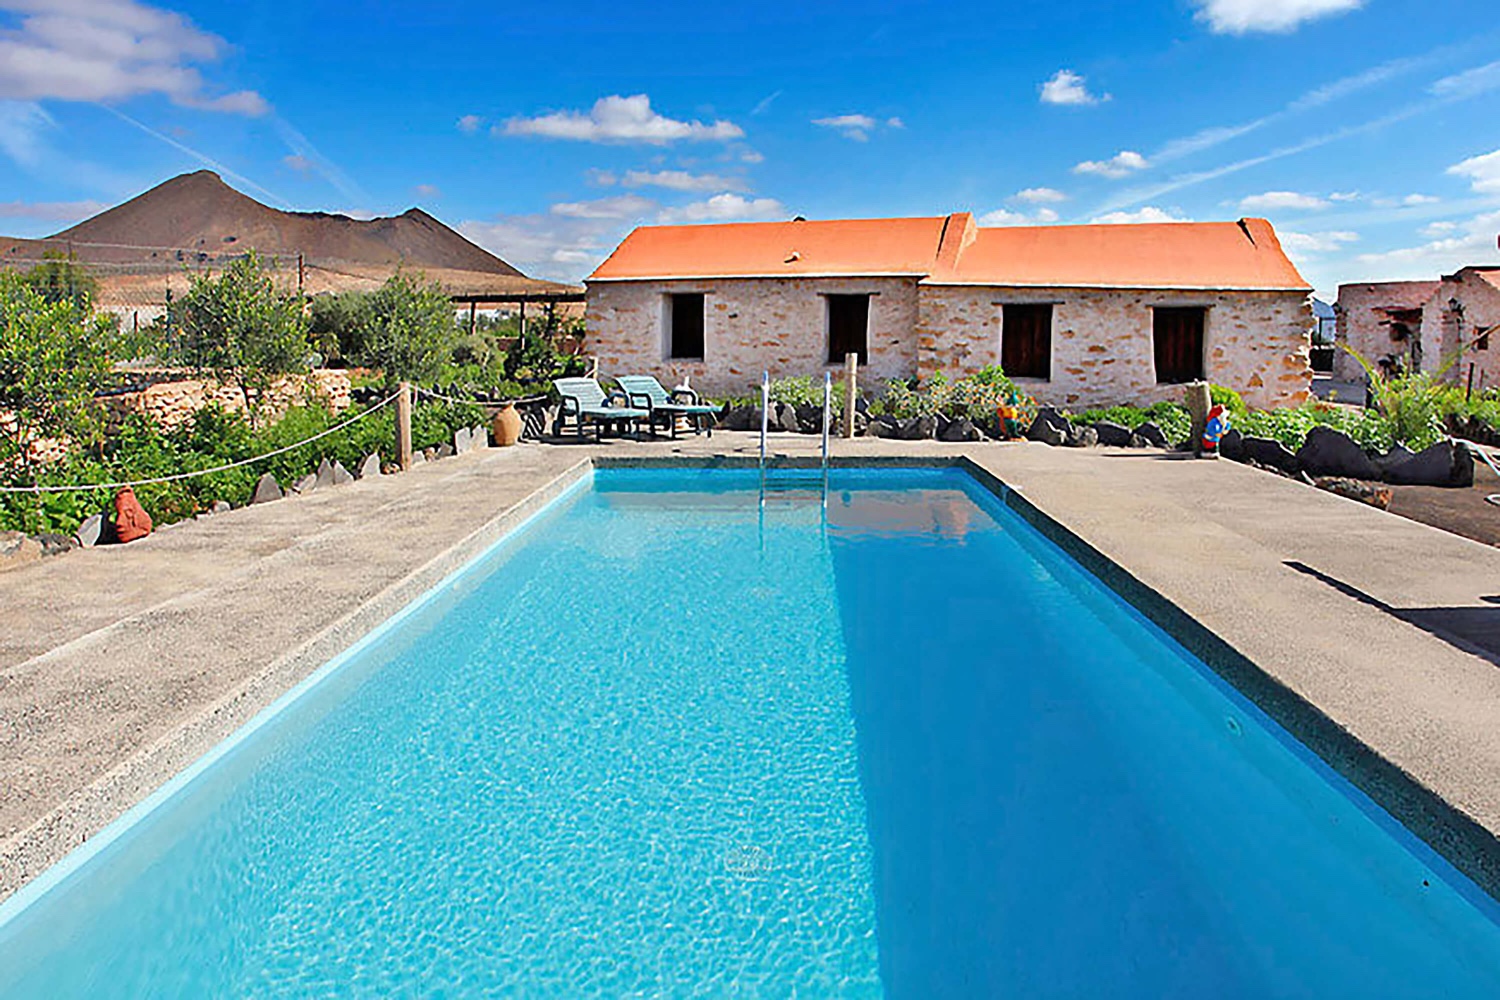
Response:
column 1434, row 326
column 1079, row 315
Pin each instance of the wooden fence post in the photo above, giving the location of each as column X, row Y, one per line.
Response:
column 403, row 426
column 851, row 385
column 1195, row 397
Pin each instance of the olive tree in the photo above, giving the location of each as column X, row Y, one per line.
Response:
column 240, row 329
column 55, row 355
column 408, row 330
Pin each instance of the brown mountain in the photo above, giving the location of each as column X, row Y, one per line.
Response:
column 147, row 248
column 198, row 214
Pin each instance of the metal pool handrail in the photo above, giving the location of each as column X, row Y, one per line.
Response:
column 765, row 413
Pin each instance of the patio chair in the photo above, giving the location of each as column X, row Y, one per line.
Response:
column 583, row 398
column 645, row 390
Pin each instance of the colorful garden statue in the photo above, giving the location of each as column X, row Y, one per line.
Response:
column 1213, row 429
column 1008, row 416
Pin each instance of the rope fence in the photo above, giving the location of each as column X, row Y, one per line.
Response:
column 179, row 476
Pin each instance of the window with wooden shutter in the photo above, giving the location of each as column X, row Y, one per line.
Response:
column 1177, row 336
column 1026, row 340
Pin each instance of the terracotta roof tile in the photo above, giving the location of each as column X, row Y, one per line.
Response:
column 774, row 249
column 1243, row 254
column 951, row 250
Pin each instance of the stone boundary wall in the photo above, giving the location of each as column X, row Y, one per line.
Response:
column 173, row 401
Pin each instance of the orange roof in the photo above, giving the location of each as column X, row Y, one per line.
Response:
column 1244, row 254
column 772, row 249
column 952, row 250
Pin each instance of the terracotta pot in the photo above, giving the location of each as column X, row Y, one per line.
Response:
column 506, row 427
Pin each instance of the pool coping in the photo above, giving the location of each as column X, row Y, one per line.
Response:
column 1458, row 838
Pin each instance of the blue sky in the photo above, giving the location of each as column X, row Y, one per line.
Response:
column 1368, row 131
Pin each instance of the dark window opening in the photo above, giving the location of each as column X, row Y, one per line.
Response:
column 1026, row 340
column 848, row 327
column 1178, row 336
column 685, row 326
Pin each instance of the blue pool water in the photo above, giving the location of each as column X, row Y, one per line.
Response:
column 671, row 741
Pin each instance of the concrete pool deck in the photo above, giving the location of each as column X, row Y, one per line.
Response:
column 121, row 665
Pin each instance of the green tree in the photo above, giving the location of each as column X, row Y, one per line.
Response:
column 240, row 329
column 336, row 322
column 409, row 332
column 60, row 278
column 54, row 356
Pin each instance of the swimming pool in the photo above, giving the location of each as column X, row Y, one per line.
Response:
column 679, row 736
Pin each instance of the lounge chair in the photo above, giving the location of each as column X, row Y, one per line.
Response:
column 584, row 398
column 645, row 390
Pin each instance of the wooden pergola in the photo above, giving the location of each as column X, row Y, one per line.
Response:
column 548, row 299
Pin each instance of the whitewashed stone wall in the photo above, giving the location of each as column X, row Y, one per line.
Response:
column 1447, row 332
column 750, row 326
column 1254, row 342
column 1364, row 324
column 1102, row 354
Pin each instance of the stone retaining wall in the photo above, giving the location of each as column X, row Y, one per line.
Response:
column 173, row 401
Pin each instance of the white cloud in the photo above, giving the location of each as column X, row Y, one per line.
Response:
column 751, row 156
column 725, row 207
column 1469, row 242
column 1149, row 213
column 1344, row 196
column 1068, row 87
column 470, row 123
column 1122, row 163
column 682, row 180
column 52, row 211
column 764, row 104
column 546, row 246
column 894, row 122
column 1482, row 171
column 1437, row 230
column 856, row 127
column 622, row 206
column 1312, row 243
column 299, row 163
column 617, row 119
column 428, row 191
column 1041, row 196
column 1006, row 217
column 1272, row 201
column 111, row 50
column 23, row 125
column 1469, row 83
column 1240, row 17
column 1420, row 199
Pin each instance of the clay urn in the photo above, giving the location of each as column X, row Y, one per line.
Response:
column 506, row 427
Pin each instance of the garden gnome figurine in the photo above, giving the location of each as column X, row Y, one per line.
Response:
column 131, row 519
column 1214, row 428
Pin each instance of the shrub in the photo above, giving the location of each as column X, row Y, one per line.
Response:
column 140, row 450
column 54, row 357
